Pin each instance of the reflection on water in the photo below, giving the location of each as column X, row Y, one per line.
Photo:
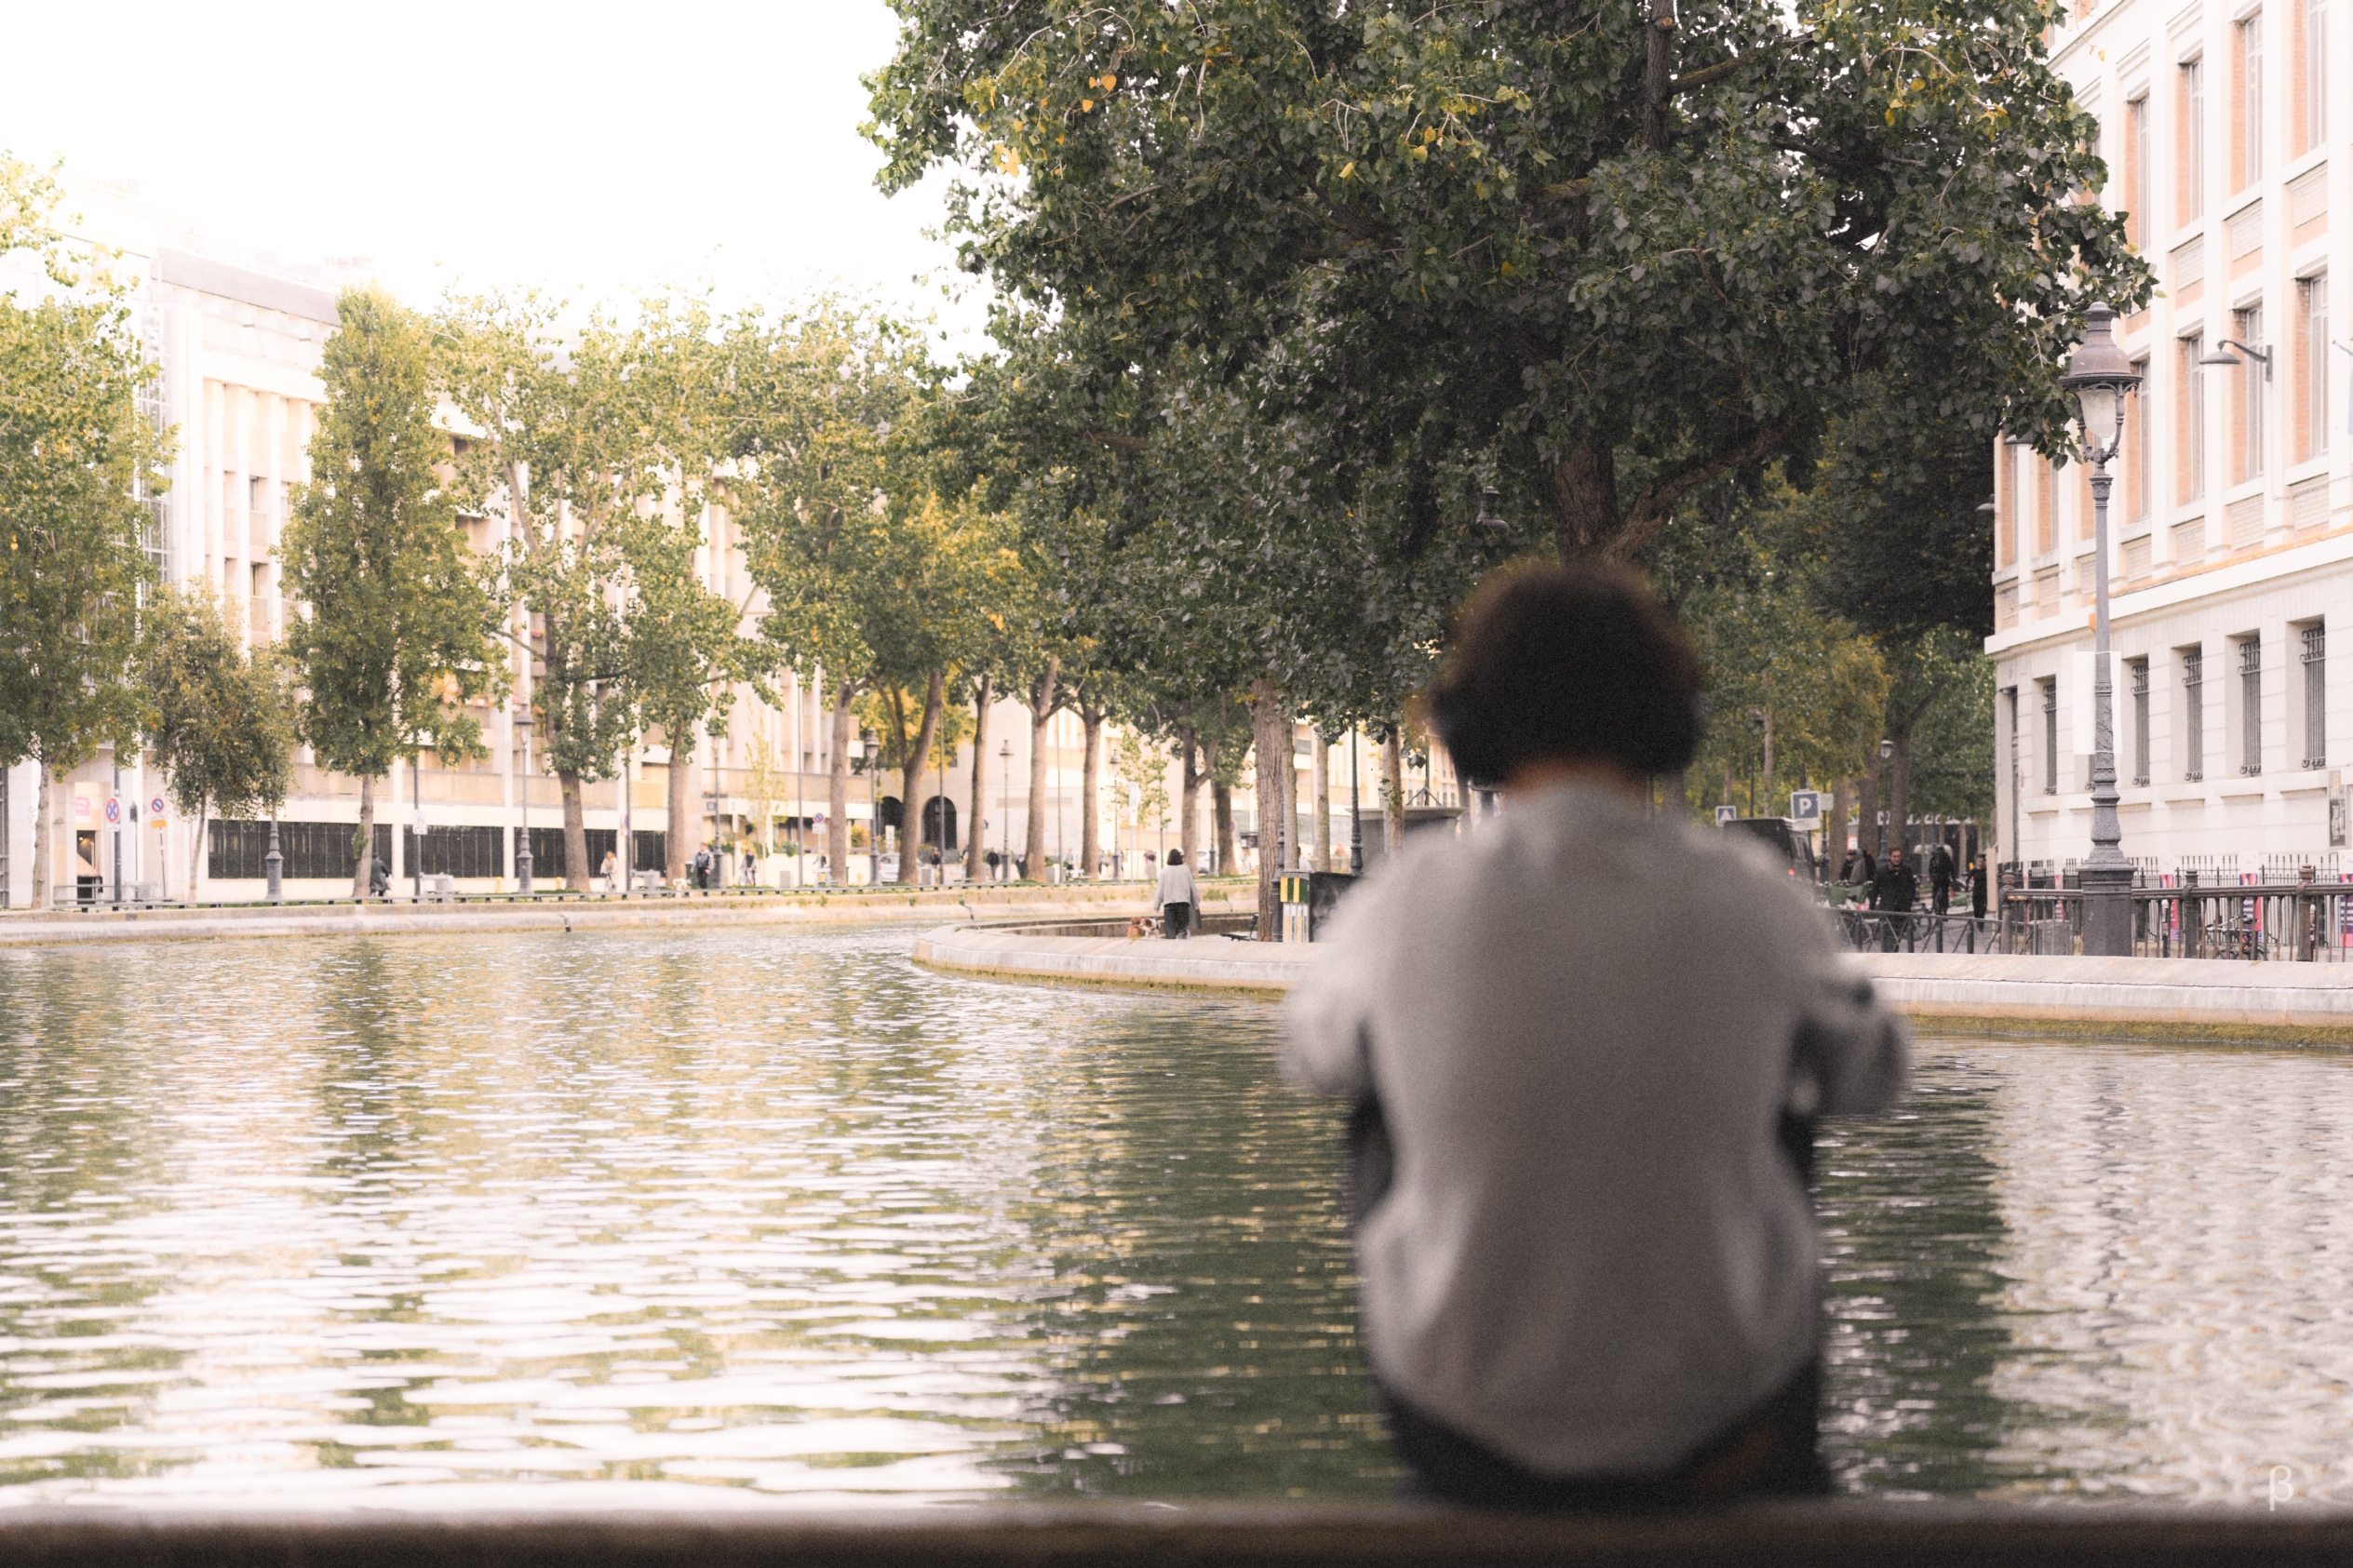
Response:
column 713, row 1219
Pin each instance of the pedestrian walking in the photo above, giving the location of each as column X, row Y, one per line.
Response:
column 1940, row 878
column 379, row 876
column 751, row 870
column 701, row 876
column 1895, row 889
column 1977, row 887
column 1176, row 896
column 1586, row 1251
column 607, row 870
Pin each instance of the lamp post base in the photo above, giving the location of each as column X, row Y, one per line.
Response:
column 2108, row 911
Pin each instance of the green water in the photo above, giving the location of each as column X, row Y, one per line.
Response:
column 731, row 1219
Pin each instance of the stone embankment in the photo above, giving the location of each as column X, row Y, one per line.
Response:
column 982, row 901
column 2173, row 999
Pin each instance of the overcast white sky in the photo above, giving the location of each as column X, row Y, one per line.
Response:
column 592, row 149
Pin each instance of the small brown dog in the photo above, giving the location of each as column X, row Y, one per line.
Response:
column 1142, row 926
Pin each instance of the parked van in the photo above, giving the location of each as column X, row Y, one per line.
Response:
column 1792, row 844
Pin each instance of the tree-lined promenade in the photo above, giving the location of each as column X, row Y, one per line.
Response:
column 1308, row 318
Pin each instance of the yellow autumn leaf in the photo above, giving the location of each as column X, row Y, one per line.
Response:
column 1086, row 106
column 1109, row 81
column 1348, row 169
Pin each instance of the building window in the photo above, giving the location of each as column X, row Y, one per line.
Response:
column 2137, row 674
column 2248, row 130
column 2250, row 707
column 2312, row 53
column 2189, row 463
column 2315, row 693
column 2312, row 367
column 2049, row 737
column 2189, row 152
column 2136, row 171
column 2193, row 714
column 2246, row 327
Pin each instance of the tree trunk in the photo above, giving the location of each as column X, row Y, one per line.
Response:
column 1835, row 839
column 1221, row 814
column 1771, row 794
column 195, row 851
column 1294, row 850
column 575, row 833
column 1393, row 793
column 1867, row 835
column 911, row 779
column 1189, row 781
column 1090, row 792
column 42, row 851
column 838, row 788
column 366, row 835
column 680, row 792
column 1585, row 513
column 1271, row 744
column 974, row 845
column 1674, row 797
column 1320, row 807
column 1041, row 705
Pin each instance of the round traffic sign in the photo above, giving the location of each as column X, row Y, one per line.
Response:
column 113, row 810
column 155, row 807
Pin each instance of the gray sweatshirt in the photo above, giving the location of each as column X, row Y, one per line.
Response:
column 1581, row 1023
column 1177, row 886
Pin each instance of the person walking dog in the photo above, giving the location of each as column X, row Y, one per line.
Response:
column 1584, row 1046
column 1175, row 897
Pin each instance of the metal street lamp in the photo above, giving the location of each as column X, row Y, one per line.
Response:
column 2102, row 377
column 523, row 795
column 1004, row 797
column 1887, row 750
column 871, row 750
column 1355, row 812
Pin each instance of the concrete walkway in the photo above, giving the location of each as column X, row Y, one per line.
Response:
column 814, row 906
column 2172, row 999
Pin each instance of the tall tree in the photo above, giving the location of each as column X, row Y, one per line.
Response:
column 1612, row 251
column 78, row 463
column 396, row 632
column 221, row 721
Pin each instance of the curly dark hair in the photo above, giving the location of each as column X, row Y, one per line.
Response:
column 1571, row 661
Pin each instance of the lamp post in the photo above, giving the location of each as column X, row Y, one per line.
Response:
column 274, row 864
column 523, row 795
column 2102, row 377
column 1887, row 750
column 869, row 750
column 1005, row 795
column 1355, row 812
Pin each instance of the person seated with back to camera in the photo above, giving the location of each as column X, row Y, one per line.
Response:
column 1586, row 1044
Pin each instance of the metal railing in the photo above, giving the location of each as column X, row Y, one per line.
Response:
column 1886, row 930
column 2299, row 922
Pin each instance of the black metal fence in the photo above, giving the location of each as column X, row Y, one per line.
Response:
column 1881, row 930
column 318, row 850
column 547, row 850
column 2300, row 922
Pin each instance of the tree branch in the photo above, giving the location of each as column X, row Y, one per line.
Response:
column 1723, row 68
column 1655, row 505
column 1119, row 443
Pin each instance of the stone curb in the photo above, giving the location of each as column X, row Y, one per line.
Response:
column 1107, row 900
column 2192, row 999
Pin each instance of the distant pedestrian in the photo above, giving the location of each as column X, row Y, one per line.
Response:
column 1151, row 865
column 1895, row 889
column 607, row 871
column 1977, row 890
column 751, row 870
column 1867, row 867
column 1175, row 897
column 1587, row 1259
column 701, row 876
column 379, row 877
column 1940, row 878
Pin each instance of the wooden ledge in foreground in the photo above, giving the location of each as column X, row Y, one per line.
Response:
column 1227, row 1535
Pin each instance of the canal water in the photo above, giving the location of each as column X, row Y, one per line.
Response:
column 758, row 1219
